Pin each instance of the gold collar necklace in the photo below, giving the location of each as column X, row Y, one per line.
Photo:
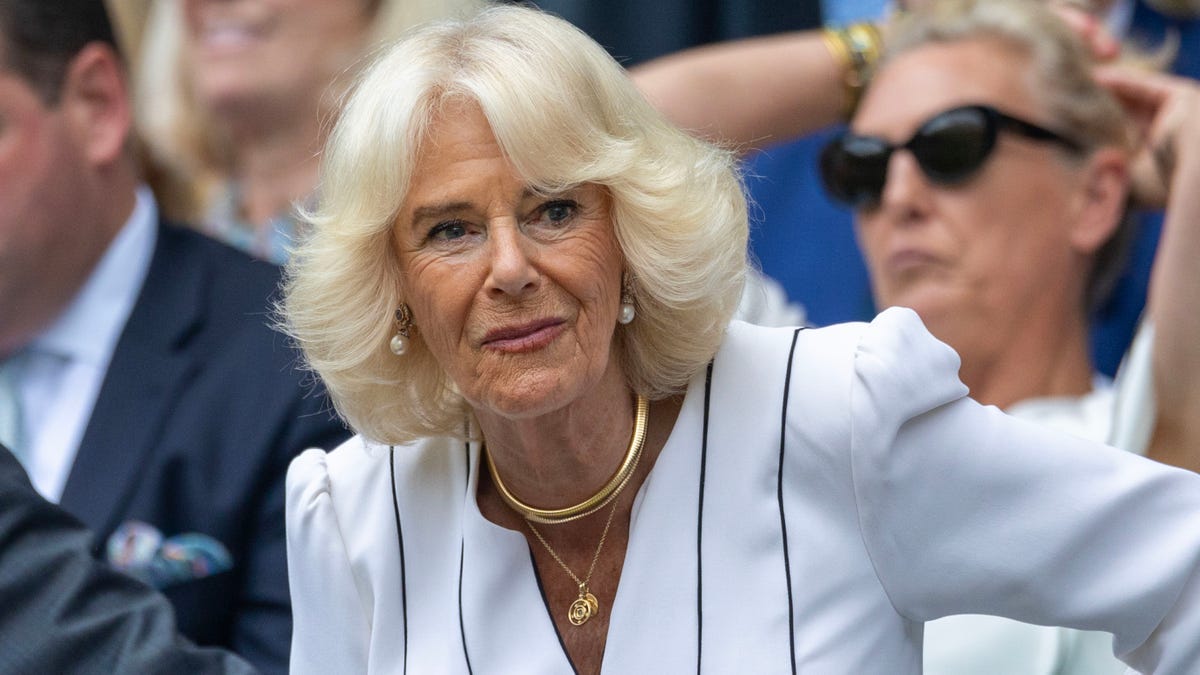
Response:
column 592, row 504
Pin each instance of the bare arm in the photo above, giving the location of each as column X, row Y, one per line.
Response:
column 1167, row 170
column 753, row 92
column 748, row 93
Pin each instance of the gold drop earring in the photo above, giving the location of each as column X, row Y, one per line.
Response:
column 404, row 325
column 627, row 310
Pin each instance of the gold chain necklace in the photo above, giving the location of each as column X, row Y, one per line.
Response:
column 592, row 504
column 585, row 606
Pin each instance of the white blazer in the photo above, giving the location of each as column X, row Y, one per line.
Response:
column 822, row 495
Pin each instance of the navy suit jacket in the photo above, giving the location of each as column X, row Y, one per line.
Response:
column 64, row 612
column 199, row 414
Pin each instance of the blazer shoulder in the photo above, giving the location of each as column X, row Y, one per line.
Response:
column 233, row 273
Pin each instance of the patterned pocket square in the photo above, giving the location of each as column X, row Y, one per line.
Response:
column 139, row 550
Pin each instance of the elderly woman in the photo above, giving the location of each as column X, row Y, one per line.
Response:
column 517, row 291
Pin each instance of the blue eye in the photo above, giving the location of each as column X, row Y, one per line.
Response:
column 453, row 229
column 559, row 211
column 556, row 213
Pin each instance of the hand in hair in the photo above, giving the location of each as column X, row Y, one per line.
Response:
column 1166, row 112
column 1090, row 28
column 1162, row 108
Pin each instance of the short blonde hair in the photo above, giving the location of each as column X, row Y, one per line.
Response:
column 1062, row 82
column 565, row 114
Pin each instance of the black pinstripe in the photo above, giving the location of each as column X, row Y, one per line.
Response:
column 462, row 629
column 787, row 563
column 400, row 542
column 700, row 524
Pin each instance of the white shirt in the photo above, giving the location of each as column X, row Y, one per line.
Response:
column 889, row 499
column 66, row 363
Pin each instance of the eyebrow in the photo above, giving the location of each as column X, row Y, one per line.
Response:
column 435, row 211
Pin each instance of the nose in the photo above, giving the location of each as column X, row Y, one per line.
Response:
column 906, row 190
column 512, row 270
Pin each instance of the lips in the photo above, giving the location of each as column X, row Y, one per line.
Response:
column 227, row 36
column 523, row 337
column 909, row 260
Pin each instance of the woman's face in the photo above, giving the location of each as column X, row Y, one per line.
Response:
column 970, row 258
column 515, row 294
column 245, row 52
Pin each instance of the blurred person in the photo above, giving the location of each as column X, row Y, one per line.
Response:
column 142, row 387
column 518, row 289
column 994, row 203
column 758, row 98
column 66, row 612
column 237, row 96
column 685, row 86
column 752, row 93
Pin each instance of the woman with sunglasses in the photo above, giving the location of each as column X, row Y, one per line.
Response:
column 989, row 172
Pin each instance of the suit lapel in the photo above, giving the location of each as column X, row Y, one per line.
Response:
column 151, row 363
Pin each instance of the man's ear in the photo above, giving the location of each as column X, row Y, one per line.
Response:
column 1102, row 203
column 95, row 100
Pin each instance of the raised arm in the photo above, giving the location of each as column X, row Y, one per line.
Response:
column 1167, row 172
column 749, row 93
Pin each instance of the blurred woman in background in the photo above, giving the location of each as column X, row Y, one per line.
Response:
column 236, row 96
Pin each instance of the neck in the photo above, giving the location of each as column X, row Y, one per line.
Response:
column 566, row 456
column 275, row 164
column 1029, row 363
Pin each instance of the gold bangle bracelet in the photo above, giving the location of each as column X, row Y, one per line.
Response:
column 855, row 48
column 597, row 501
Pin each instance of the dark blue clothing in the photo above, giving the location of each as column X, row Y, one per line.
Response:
column 200, row 412
column 65, row 612
column 634, row 30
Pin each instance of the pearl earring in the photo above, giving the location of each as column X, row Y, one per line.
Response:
column 627, row 311
column 404, row 324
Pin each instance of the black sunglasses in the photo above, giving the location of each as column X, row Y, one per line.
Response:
column 949, row 148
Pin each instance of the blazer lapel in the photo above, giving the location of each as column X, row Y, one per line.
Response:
column 149, row 366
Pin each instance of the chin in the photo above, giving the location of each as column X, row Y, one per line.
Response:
column 219, row 92
column 525, row 400
column 928, row 300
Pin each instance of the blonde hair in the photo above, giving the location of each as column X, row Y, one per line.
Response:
column 181, row 135
column 565, row 114
column 1062, row 83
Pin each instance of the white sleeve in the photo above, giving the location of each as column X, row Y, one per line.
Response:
column 967, row 510
column 330, row 631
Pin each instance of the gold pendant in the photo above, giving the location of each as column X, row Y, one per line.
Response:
column 585, row 607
